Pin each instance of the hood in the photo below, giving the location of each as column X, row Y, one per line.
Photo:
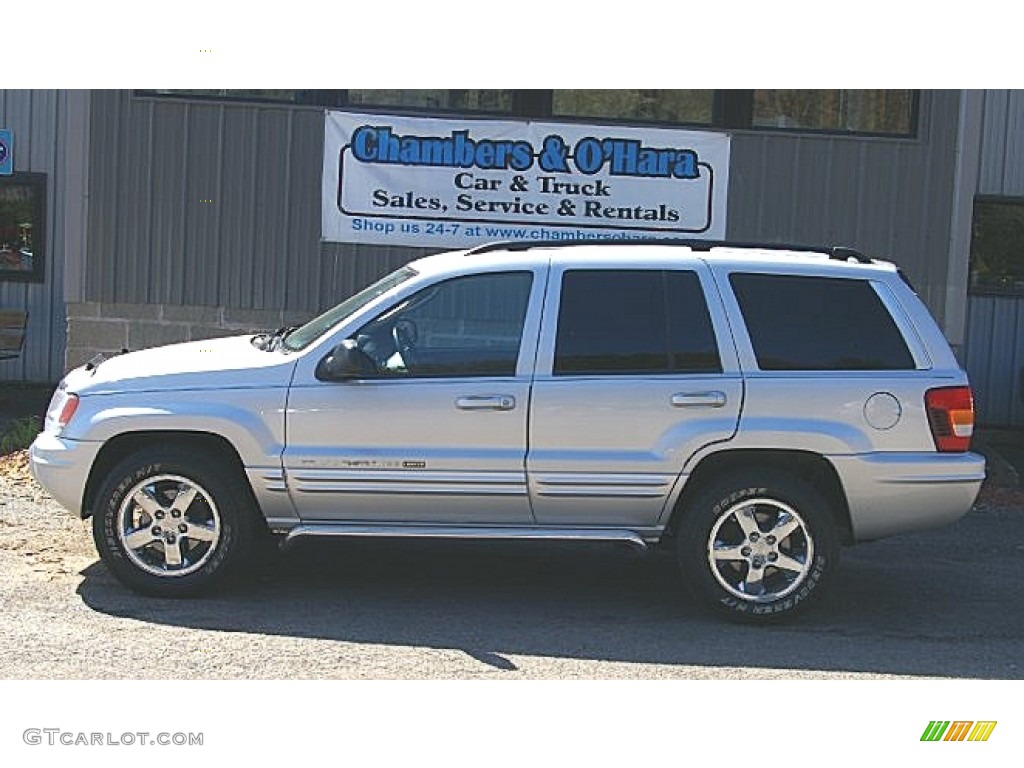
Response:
column 226, row 363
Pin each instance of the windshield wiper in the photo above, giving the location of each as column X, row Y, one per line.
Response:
column 271, row 341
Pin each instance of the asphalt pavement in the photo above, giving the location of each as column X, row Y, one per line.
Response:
column 945, row 604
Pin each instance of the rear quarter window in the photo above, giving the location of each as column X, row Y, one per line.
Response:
column 800, row 323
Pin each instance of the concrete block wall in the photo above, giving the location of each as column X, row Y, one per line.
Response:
column 95, row 327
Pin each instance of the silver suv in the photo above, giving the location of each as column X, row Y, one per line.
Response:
column 753, row 406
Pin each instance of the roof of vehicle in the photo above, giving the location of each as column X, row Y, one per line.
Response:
column 834, row 260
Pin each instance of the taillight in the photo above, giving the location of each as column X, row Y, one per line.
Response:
column 951, row 417
column 70, row 406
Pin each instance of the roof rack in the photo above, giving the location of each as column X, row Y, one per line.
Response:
column 835, row 252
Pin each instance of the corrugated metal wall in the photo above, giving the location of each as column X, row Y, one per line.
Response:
column 995, row 324
column 995, row 357
column 890, row 198
column 35, row 118
column 215, row 204
column 153, row 239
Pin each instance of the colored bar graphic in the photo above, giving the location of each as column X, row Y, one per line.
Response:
column 982, row 730
column 959, row 730
column 935, row 730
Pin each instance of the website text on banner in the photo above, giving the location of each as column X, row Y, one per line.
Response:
column 458, row 182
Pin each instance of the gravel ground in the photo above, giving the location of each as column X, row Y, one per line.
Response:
column 466, row 611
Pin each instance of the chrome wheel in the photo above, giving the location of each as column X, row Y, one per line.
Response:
column 760, row 550
column 168, row 525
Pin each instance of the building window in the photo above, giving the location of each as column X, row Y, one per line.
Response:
column 853, row 112
column 427, row 99
column 633, row 105
column 997, row 245
column 235, row 94
column 22, row 226
column 863, row 111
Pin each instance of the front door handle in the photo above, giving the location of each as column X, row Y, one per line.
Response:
column 713, row 399
column 485, row 403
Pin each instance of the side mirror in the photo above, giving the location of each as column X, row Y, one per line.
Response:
column 346, row 362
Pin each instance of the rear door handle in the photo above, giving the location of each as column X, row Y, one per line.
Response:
column 486, row 403
column 713, row 399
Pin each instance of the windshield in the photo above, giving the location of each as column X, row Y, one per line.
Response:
column 305, row 335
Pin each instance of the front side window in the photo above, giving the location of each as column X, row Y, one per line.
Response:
column 466, row 326
column 620, row 322
column 799, row 323
column 305, row 335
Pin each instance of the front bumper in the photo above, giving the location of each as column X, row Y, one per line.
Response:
column 891, row 493
column 62, row 467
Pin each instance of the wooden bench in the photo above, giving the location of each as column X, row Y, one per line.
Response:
column 12, row 332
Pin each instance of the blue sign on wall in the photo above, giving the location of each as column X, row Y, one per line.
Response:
column 6, row 153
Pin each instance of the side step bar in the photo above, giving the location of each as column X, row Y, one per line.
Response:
column 479, row 532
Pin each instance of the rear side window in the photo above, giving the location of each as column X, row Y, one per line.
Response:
column 620, row 322
column 819, row 324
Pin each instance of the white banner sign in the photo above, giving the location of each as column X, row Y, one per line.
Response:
column 460, row 182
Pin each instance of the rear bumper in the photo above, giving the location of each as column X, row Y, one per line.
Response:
column 62, row 466
column 892, row 493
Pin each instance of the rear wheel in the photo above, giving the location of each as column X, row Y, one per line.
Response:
column 173, row 523
column 759, row 547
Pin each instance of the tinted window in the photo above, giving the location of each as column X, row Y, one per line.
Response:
column 818, row 324
column 691, row 338
column 633, row 321
column 468, row 326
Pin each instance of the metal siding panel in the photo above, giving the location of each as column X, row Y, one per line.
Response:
column 237, row 202
column 200, row 257
column 746, row 172
column 876, row 195
column 993, row 151
column 1016, row 414
column 994, row 357
column 976, row 351
column 35, row 118
column 812, row 182
column 135, row 190
column 270, row 251
column 304, row 204
column 165, row 241
column 1002, row 148
column 100, row 273
column 1013, row 159
column 1001, row 374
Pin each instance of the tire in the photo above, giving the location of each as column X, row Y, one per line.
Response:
column 758, row 547
column 158, row 542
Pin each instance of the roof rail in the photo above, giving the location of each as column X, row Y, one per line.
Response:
column 835, row 252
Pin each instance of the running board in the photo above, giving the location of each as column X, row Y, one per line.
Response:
column 481, row 532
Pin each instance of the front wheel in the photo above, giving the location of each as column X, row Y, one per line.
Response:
column 758, row 548
column 172, row 523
